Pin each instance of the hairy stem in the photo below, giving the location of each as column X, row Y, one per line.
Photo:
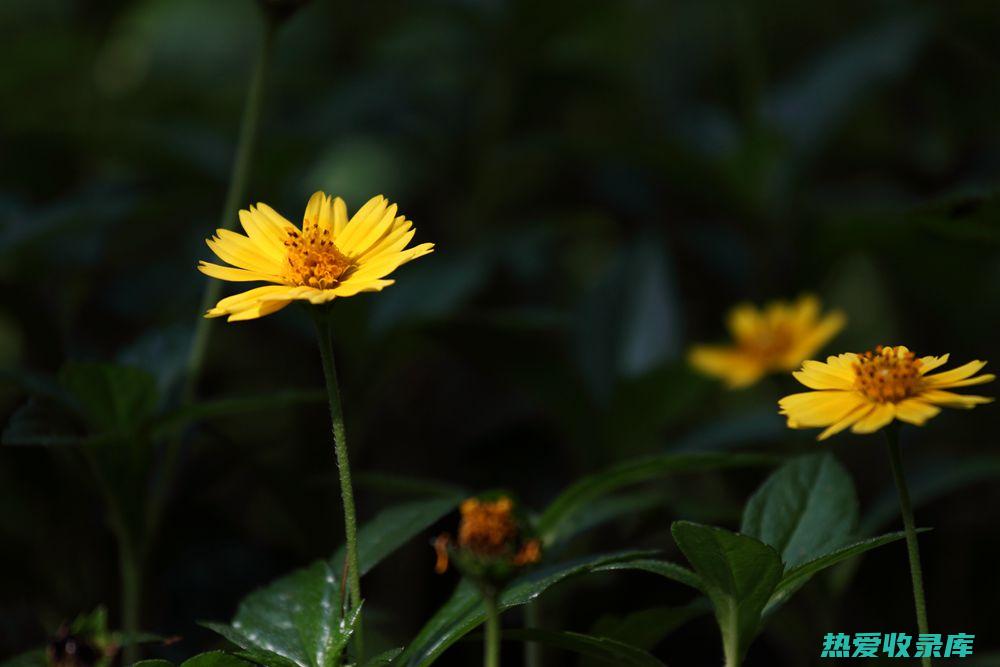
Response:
column 325, row 338
column 909, row 526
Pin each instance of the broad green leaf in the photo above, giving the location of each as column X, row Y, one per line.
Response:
column 794, row 578
column 609, row 651
column 664, row 568
column 738, row 573
column 463, row 612
column 296, row 618
column 112, row 399
column 225, row 407
column 392, row 528
column 646, row 628
column 806, row 508
column 578, row 496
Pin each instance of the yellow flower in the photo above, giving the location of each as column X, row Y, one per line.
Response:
column 775, row 339
column 329, row 257
column 867, row 391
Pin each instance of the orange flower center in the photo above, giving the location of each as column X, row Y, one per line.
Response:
column 487, row 528
column 313, row 258
column 887, row 375
column 768, row 342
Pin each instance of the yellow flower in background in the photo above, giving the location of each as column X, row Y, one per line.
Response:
column 330, row 257
column 775, row 339
column 867, row 391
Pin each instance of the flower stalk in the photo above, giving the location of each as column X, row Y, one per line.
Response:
column 909, row 526
column 321, row 318
column 491, row 644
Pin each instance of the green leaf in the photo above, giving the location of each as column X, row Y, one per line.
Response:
column 804, row 509
column 209, row 659
column 112, row 399
column 463, row 612
column 664, row 568
column 394, row 527
column 295, row 620
column 738, row 573
column 553, row 523
column 226, row 407
column 384, row 658
column 610, row 651
column 796, row 577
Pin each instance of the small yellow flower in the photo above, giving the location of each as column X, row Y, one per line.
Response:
column 489, row 529
column 867, row 391
column 775, row 339
column 329, row 257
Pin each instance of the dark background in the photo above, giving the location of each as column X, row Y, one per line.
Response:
column 602, row 180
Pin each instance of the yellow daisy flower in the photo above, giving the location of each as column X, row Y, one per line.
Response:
column 867, row 391
column 775, row 339
column 331, row 256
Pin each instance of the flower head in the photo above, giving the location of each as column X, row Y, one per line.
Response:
column 775, row 339
column 867, row 391
column 492, row 541
column 330, row 256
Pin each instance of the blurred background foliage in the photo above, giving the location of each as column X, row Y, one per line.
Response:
column 602, row 179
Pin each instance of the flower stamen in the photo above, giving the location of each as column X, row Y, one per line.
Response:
column 313, row 258
column 888, row 374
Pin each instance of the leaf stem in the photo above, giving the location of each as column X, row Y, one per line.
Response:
column 909, row 526
column 491, row 645
column 324, row 335
column 236, row 192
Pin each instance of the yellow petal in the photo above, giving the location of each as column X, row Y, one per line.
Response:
column 259, row 309
column 383, row 266
column 235, row 275
column 820, row 408
column 815, row 339
column 955, row 374
column 361, row 222
column 240, row 251
column 915, row 411
column 339, row 216
column 359, row 243
column 244, row 300
column 267, row 236
column 728, row 363
column 743, row 322
column 979, row 379
column 815, row 378
column 927, row 364
column 952, row 400
column 881, row 415
column 853, row 416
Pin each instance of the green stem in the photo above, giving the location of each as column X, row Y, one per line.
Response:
column 236, row 193
column 321, row 317
column 131, row 582
column 491, row 647
column 129, row 561
column 909, row 526
column 532, row 650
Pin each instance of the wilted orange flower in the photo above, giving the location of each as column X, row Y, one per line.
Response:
column 777, row 338
column 867, row 391
column 488, row 529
